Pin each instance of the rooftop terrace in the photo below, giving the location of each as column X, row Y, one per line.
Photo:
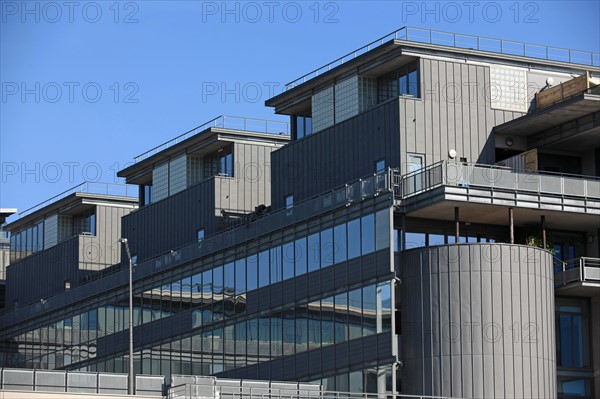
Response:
column 462, row 41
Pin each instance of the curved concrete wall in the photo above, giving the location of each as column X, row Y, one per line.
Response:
column 478, row 321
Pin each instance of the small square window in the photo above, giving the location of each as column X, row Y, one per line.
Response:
column 380, row 166
column 134, row 260
column 67, row 285
column 289, row 201
column 200, row 235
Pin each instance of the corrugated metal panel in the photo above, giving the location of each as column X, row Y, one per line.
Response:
column 469, row 312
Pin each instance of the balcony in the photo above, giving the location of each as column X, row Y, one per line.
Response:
column 484, row 192
column 579, row 277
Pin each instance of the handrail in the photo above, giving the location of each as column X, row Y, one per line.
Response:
column 457, row 40
column 251, row 392
column 89, row 188
column 493, row 176
column 568, row 273
column 224, row 122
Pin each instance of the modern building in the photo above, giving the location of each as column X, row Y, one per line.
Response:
column 4, row 251
column 428, row 225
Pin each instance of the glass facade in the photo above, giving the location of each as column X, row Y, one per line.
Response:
column 27, row 241
column 223, row 334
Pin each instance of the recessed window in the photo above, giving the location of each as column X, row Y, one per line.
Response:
column 200, row 235
column 380, row 166
column 134, row 260
column 402, row 82
column 289, row 201
column 303, row 126
column 67, row 285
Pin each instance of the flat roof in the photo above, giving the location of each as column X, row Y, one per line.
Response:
column 448, row 42
column 76, row 199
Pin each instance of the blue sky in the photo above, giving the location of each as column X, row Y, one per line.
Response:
column 89, row 85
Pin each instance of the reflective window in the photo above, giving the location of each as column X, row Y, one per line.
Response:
column 300, row 256
column 415, row 240
column 368, row 233
column 382, row 223
column 354, row 238
column 327, row 248
column 384, row 304
column 240, row 276
column 252, row 272
column 369, row 310
column 339, row 241
column 218, row 280
column 380, row 166
column 200, row 235
column 275, row 262
column 229, row 278
column 263, row 269
column 341, row 317
column 288, row 260
column 314, row 252
column 303, row 126
column 573, row 330
column 289, row 201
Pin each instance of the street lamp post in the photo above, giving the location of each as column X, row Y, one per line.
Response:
column 131, row 387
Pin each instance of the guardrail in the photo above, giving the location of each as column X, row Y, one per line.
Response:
column 494, row 177
column 464, row 41
column 201, row 391
column 223, row 122
column 114, row 189
column 582, row 269
column 78, row 382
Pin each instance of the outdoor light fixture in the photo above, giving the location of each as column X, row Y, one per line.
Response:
column 452, row 153
column 509, row 141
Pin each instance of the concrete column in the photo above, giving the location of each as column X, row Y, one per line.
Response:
column 457, row 224
column 511, row 225
column 544, row 242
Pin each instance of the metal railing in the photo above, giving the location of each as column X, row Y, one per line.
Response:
column 223, row 122
column 461, row 174
column 464, row 41
column 113, row 189
column 201, row 391
column 582, row 269
column 77, row 382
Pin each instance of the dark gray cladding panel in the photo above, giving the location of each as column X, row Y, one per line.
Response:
column 43, row 274
column 172, row 222
column 337, row 155
column 478, row 321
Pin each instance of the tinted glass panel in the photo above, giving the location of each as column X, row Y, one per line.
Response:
column 368, row 234
column 353, row 238
column 240, row 276
column 301, row 256
column 340, row 245
column 327, row 248
column 252, row 272
column 314, row 252
column 275, row 258
column 382, row 223
column 288, row 260
column 263, row 269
